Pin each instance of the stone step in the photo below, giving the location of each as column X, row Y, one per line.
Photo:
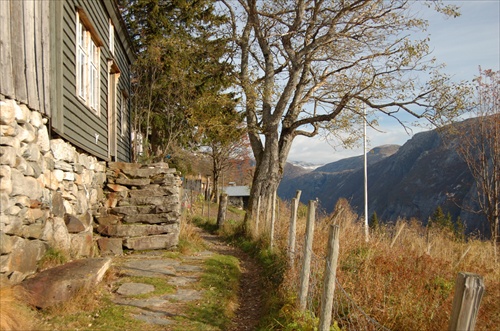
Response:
column 136, row 230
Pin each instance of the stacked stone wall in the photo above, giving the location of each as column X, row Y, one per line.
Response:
column 49, row 193
column 51, row 196
column 142, row 208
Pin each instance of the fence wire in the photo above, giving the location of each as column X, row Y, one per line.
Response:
column 346, row 314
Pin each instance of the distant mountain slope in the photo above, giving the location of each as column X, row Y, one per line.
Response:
column 291, row 171
column 423, row 174
column 312, row 181
column 353, row 163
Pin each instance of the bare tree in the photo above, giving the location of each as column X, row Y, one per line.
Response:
column 310, row 66
column 479, row 147
column 226, row 151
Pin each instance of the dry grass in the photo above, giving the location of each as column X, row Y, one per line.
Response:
column 404, row 284
column 189, row 237
column 15, row 314
column 85, row 300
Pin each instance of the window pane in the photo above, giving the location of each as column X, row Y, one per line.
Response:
column 82, row 75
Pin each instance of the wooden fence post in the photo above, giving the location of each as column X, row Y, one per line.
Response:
column 306, row 263
column 293, row 227
column 397, row 234
column 221, row 215
column 273, row 221
column 325, row 318
column 258, row 218
column 202, row 207
column 469, row 290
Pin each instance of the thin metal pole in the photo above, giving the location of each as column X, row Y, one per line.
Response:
column 365, row 154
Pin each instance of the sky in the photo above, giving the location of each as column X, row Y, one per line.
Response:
column 463, row 44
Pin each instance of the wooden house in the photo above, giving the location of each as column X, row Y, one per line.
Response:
column 70, row 60
column 238, row 196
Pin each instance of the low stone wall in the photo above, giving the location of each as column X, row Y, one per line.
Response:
column 142, row 208
column 48, row 193
column 51, row 195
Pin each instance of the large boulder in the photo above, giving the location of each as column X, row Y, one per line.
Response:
column 61, row 283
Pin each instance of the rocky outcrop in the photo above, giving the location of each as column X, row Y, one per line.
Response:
column 49, row 193
column 143, row 207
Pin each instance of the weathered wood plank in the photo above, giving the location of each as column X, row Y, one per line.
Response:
column 29, row 45
column 45, row 40
column 18, row 57
column 56, row 73
column 330, row 273
column 306, row 262
column 469, row 290
column 6, row 78
column 37, row 23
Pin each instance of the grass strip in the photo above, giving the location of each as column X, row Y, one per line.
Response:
column 220, row 282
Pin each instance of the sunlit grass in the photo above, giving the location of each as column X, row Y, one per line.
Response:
column 219, row 284
column 406, row 286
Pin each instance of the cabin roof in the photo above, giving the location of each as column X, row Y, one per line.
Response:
column 237, row 191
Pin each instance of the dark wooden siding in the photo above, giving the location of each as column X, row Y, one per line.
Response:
column 124, row 142
column 79, row 124
column 25, row 52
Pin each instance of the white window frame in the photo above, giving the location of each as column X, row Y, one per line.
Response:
column 123, row 107
column 111, row 38
column 88, row 76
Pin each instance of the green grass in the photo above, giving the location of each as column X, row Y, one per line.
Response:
column 52, row 258
column 92, row 313
column 160, row 284
column 220, row 282
column 172, row 255
column 209, row 225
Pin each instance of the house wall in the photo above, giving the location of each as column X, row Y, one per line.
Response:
column 25, row 52
column 53, row 196
column 38, row 69
column 78, row 123
column 49, row 193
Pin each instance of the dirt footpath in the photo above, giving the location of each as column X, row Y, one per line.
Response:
column 183, row 273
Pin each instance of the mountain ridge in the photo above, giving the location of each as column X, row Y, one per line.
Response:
column 406, row 182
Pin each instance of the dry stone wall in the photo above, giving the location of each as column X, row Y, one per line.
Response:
column 142, row 208
column 51, row 196
column 49, row 193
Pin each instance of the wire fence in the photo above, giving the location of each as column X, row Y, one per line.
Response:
column 356, row 298
column 346, row 313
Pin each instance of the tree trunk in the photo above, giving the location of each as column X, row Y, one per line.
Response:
column 221, row 215
column 267, row 176
column 216, row 174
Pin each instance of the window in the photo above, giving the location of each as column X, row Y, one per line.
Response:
column 123, row 115
column 111, row 38
column 87, row 64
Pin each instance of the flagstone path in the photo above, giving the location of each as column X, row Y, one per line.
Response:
column 183, row 273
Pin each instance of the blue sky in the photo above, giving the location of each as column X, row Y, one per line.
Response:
column 463, row 44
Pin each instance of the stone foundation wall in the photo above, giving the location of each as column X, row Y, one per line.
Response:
column 51, row 195
column 48, row 193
